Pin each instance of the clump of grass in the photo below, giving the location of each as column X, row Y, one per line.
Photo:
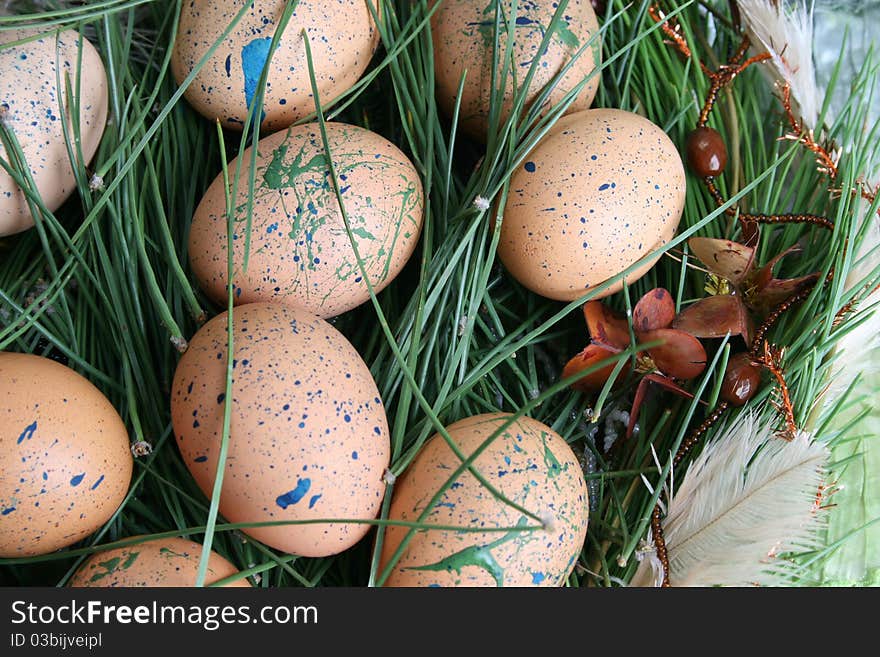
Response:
column 105, row 281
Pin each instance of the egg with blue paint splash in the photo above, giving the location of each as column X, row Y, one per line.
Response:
column 167, row 562
column 36, row 108
column 342, row 37
column 308, row 439
column 495, row 544
column 65, row 464
column 298, row 246
column 464, row 36
column 603, row 189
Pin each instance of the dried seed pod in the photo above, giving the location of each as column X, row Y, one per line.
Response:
column 741, row 380
column 706, row 152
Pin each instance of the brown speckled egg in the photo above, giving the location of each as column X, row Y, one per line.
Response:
column 170, row 562
column 65, row 463
column 309, row 439
column 531, row 465
column 603, row 189
column 300, row 252
column 342, row 37
column 30, row 104
column 464, row 32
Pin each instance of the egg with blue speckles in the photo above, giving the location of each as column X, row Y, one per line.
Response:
column 300, row 252
column 309, row 438
column 31, row 101
column 601, row 190
column 342, row 36
column 172, row 562
column 528, row 463
column 463, row 32
column 65, row 464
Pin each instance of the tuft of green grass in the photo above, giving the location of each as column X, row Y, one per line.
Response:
column 105, row 281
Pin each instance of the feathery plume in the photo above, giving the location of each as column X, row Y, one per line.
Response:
column 786, row 32
column 746, row 499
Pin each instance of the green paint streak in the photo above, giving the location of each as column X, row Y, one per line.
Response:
column 479, row 556
column 567, row 37
column 279, row 175
column 129, row 562
column 363, row 233
column 109, row 567
column 486, row 28
column 550, row 462
column 295, row 179
column 171, row 553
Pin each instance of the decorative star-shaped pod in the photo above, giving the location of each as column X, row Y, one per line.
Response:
column 738, row 289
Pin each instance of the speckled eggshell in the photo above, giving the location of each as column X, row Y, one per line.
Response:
column 463, row 33
column 528, row 463
column 65, row 463
column 300, row 252
column 171, row 562
column 603, row 189
column 30, row 102
column 309, row 437
column 342, row 36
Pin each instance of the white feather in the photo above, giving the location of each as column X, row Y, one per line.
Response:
column 786, row 32
column 748, row 497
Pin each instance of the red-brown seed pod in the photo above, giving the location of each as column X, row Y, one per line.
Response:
column 706, row 152
column 741, row 380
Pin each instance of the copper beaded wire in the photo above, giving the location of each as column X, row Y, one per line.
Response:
column 684, row 448
column 770, row 357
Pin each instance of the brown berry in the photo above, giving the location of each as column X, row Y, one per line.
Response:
column 741, row 380
column 706, row 152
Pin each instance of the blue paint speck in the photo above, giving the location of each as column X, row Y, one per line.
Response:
column 537, row 578
column 530, row 167
column 28, row 432
column 77, row 480
column 347, row 417
column 253, row 59
column 229, row 66
column 7, row 511
column 602, row 188
column 200, row 459
column 97, row 483
column 293, row 496
column 354, row 455
column 314, row 499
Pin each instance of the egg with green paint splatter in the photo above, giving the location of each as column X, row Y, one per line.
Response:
column 464, row 34
column 602, row 190
column 35, row 108
column 172, row 562
column 342, row 36
column 298, row 248
column 65, row 464
column 308, row 437
column 494, row 543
